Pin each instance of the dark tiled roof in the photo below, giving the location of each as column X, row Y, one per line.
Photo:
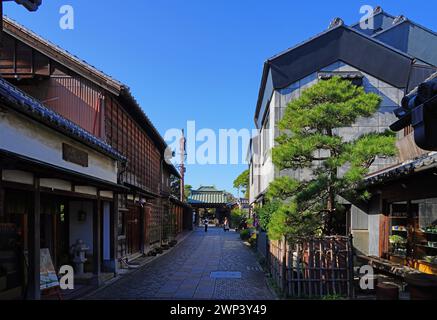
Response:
column 339, row 43
column 423, row 163
column 13, row 97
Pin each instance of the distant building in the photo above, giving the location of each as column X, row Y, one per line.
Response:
column 208, row 201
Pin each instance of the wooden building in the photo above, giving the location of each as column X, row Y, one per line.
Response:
column 58, row 184
column 404, row 198
column 105, row 108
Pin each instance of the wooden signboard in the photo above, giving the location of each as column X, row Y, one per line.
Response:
column 48, row 277
column 74, row 155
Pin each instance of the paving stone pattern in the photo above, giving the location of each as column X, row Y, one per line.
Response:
column 184, row 273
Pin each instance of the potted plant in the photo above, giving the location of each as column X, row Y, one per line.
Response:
column 398, row 244
column 3, row 279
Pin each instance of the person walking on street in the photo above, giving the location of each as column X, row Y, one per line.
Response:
column 226, row 224
column 206, row 224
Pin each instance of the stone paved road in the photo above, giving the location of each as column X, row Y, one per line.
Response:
column 185, row 272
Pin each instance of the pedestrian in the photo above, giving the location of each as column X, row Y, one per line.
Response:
column 206, row 224
column 226, row 224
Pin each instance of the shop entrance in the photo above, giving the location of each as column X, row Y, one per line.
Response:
column 133, row 229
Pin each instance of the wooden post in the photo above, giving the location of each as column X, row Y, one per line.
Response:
column 284, row 266
column 34, row 292
column 114, row 231
column 2, row 198
column 142, row 231
column 97, row 252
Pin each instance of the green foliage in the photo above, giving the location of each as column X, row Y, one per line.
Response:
column 242, row 182
column 265, row 212
column 237, row 216
column 289, row 221
column 397, row 240
column 310, row 141
column 245, row 234
column 187, row 190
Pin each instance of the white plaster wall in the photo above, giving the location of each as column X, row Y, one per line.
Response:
column 107, row 194
column 374, row 221
column 17, row 176
column 29, row 138
column 86, row 190
column 267, row 169
column 82, row 230
column 251, row 184
column 56, row 184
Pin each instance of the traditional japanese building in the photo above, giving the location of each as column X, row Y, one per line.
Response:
column 209, row 202
column 58, row 184
column 104, row 108
column 405, row 200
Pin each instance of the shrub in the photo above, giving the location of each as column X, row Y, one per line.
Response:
column 237, row 217
column 245, row 234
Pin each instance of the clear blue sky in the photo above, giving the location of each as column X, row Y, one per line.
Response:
column 197, row 59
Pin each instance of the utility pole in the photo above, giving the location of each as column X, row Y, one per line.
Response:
column 183, row 154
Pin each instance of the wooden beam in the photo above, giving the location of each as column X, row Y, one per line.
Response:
column 34, row 292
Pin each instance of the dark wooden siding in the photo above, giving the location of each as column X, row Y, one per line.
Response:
column 57, row 87
column 19, row 59
column 73, row 98
column 126, row 135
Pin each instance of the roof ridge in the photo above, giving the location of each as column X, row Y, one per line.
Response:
column 405, row 20
column 335, row 28
column 374, row 14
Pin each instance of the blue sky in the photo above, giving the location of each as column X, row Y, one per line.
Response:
column 197, row 59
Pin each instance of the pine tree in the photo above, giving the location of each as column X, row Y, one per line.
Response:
column 309, row 140
column 242, row 183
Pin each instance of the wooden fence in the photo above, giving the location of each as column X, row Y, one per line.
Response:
column 313, row 268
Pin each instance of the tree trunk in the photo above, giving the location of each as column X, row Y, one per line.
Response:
column 331, row 197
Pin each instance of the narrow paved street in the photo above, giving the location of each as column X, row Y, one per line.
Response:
column 203, row 266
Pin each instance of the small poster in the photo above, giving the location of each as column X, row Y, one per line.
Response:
column 48, row 277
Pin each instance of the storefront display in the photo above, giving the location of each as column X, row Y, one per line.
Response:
column 413, row 234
